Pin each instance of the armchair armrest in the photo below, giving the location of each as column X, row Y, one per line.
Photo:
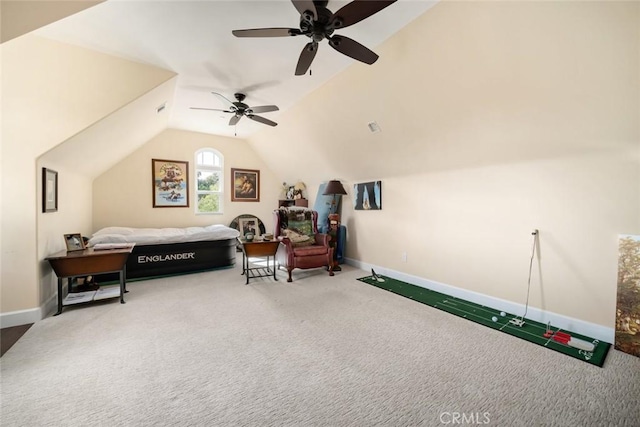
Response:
column 285, row 241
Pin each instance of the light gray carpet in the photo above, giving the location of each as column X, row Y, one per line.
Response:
column 204, row 349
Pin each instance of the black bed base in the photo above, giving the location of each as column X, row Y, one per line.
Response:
column 177, row 258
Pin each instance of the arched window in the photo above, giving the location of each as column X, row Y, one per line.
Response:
column 209, row 181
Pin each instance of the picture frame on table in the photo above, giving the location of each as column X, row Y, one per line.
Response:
column 245, row 185
column 74, row 242
column 170, row 182
column 249, row 225
column 49, row 190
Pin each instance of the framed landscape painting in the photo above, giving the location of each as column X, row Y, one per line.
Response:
column 245, row 185
column 170, row 183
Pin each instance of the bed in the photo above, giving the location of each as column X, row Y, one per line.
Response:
column 168, row 251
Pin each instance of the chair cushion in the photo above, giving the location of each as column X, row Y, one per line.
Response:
column 309, row 251
column 296, row 238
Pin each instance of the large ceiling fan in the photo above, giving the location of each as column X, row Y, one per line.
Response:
column 318, row 23
column 240, row 109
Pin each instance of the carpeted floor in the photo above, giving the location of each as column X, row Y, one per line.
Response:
column 205, row 349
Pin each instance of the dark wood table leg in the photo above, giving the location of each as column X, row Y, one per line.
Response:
column 59, row 296
column 246, row 271
column 124, row 272
column 274, row 267
column 122, row 286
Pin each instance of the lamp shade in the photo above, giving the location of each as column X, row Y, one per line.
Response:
column 334, row 187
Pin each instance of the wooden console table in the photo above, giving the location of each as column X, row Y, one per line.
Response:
column 258, row 248
column 89, row 262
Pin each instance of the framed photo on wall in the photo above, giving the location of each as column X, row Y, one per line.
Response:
column 245, row 185
column 367, row 196
column 49, row 190
column 170, row 183
column 74, row 242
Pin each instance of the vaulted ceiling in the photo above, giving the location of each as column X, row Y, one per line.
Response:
column 194, row 40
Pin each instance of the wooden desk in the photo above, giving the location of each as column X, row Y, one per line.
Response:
column 89, row 262
column 258, row 248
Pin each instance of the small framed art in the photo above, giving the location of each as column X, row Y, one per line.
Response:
column 245, row 185
column 367, row 196
column 248, row 225
column 170, row 183
column 49, row 190
column 74, row 242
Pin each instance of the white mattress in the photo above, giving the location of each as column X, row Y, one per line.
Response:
column 151, row 236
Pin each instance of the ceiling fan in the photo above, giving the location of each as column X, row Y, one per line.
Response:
column 318, row 23
column 240, row 109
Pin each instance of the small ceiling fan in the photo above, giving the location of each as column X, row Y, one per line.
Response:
column 318, row 23
column 240, row 109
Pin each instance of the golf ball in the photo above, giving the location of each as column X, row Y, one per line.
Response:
column 494, row 318
column 502, row 313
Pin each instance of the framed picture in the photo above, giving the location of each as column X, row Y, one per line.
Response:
column 249, row 225
column 170, row 183
column 245, row 185
column 74, row 242
column 367, row 196
column 49, row 190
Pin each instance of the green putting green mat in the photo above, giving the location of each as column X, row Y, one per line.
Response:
column 575, row 345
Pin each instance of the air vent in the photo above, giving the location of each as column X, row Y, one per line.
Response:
column 373, row 127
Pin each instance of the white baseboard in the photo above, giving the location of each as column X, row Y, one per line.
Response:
column 32, row 315
column 592, row 330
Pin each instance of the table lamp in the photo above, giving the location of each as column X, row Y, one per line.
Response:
column 333, row 188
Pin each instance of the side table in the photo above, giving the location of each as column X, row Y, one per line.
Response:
column 89, row 262
column 260, row 249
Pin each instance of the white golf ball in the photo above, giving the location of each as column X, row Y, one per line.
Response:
column 494, row 318
column 502, row 313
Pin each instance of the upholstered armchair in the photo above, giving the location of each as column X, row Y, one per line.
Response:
column 301, row 246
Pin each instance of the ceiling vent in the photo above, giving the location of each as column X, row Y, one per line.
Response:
column 373, row 127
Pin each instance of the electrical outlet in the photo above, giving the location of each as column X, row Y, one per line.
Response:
column 404, row 257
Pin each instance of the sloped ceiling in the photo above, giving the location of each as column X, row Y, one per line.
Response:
column 194, row 39
column 18, row 17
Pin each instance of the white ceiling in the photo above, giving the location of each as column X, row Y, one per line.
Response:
column 193, row 39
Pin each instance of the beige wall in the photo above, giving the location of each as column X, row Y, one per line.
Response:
column 73, row 216
column 122, row 196
column 497, row 118
column 50, row 92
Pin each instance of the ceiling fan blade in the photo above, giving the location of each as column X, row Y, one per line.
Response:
column 306, row 58
column 211, row 109
column 358, row 10
column 261, row 120
column 234, row 120
column 224, row 100
column 353, row 49
column 306, row 6
column 263, row 109
column 267, row 32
